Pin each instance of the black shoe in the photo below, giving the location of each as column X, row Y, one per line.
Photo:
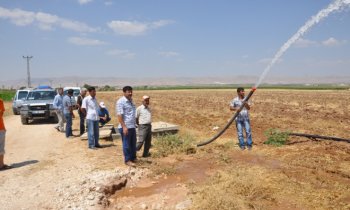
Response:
column 98, row 146
column 93, row 148
column 146, row 155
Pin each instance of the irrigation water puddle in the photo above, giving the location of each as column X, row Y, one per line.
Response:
column 196, row 170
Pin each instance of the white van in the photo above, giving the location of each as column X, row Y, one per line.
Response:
column 18, row 99
column 76, row 92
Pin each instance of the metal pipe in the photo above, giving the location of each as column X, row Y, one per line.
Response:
column 230, row 121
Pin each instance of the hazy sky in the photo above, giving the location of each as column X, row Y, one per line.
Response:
column 157, row 38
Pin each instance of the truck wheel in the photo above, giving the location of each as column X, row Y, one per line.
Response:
column 15, row 112
column 24, row 120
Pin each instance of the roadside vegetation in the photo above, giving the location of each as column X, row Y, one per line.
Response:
column 7, row 95
column 169, row 144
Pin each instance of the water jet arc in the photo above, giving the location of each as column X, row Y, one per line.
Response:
column 230, row 121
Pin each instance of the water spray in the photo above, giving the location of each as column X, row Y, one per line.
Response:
column 335, row 6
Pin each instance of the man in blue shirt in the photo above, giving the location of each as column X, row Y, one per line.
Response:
column 58, row 105
column 126, row 110
column 103, row 114
column 68, row 112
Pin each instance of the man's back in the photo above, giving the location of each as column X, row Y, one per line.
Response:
column 67, row 104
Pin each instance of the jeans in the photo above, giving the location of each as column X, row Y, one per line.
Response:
column 246, row 125
column 82, row 123
column 145, row 136
column 69, row 123
column 2, row 142
column 93, row 133
column 129, row 144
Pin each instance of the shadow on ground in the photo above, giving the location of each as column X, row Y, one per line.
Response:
column 24, row 163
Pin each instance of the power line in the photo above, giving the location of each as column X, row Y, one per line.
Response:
column 28, row 70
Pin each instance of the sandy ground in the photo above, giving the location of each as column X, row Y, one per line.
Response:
column 52, row 172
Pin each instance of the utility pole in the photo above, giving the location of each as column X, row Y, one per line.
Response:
column 28, row 70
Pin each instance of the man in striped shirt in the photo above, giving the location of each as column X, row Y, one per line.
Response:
column 125, row 109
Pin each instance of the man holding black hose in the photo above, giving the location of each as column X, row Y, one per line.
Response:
column 242, row 120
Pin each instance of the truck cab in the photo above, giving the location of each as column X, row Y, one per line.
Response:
column 38, row 105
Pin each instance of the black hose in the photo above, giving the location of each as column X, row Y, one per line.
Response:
column 319, row 137
column 230, row 121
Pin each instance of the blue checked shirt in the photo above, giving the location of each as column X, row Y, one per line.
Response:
column 244, row 114
column 127, row 110
column 58, row 102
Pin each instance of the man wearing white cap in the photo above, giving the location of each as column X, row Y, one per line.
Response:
column 144, row 122
column 104, row 114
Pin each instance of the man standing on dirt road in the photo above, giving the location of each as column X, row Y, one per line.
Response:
column 81, row 114
column 144, row 122
column 90, row 109
column 242, row 120
column 2, row 138
column 58, row 105
column 126, row 110
column 68, row 112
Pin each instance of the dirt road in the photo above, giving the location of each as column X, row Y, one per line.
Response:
column 51, row 171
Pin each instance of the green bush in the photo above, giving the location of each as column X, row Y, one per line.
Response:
column 276, row 137
column 173, row 144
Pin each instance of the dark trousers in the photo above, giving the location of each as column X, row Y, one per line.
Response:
column 129, row 144
column 82, row 123
column 103, row 122
column 145, row 136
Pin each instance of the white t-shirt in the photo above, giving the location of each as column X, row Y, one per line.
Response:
column 91, row 106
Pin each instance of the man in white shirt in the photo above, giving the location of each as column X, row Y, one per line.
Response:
column 90, row 109
column 144, row 122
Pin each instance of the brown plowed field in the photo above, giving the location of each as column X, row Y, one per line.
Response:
column 51, row 171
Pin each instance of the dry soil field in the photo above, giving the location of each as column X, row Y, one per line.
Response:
column 304, row 174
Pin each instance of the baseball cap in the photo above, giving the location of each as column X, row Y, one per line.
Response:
column 102, row 104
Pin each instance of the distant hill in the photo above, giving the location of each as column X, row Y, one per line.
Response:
column 161, row 81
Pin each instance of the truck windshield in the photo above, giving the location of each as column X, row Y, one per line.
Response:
column 41, row 95
column 22, row 95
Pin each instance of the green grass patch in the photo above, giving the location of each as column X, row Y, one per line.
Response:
column 174, row 144
column 7, row 95
column 276, row 137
